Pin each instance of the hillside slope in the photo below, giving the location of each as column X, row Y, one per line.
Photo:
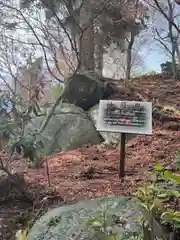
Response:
column 93, row 171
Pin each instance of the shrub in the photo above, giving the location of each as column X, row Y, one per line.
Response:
column 167, row 69
column 159, row 200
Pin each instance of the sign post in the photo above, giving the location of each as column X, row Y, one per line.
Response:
column 122, row 156
column 124, row 117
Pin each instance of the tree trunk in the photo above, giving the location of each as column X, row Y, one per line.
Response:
column 129, row 57
column 174, row 70
column 86, row 48
column 173, row 42
column 178, row 54
column 98, row 54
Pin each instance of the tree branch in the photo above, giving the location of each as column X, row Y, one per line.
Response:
column 164, row 14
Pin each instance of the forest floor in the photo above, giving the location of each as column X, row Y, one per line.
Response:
column 68, row 181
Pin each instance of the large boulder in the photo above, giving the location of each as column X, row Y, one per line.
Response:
column 69, row 128
column 86, row 90
column 68, row 221
column 109, row 137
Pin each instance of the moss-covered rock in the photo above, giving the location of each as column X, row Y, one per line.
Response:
column 69, row 220
column 85, row 90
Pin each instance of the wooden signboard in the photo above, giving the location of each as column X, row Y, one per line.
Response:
column 124, row 117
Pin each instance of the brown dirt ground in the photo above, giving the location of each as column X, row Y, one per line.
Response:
column 65, row 168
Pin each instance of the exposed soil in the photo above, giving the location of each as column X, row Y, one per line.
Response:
column 93, row 171
column 152, row 88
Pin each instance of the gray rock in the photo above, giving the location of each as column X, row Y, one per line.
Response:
column 108, row 136
column 71, row 219
column 85, row 90
column 69, row 128
column 3, row 174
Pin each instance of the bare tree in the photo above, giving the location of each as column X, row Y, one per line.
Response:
column 157, row 5
column 132, row 35
column 68, row 27
column 139, row 18
column 165, row 32
column 93, row 25
column 118, row 59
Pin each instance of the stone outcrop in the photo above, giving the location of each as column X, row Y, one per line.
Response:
column 69, row 128
column 70, row 220
column 86, row 90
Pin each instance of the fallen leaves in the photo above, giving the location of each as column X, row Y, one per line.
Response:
column 142, row 153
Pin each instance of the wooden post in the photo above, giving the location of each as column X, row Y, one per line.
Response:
column 122, row 156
